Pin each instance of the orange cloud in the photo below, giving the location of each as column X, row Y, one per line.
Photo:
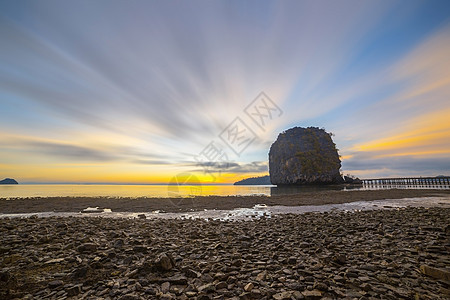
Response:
column 428, row 134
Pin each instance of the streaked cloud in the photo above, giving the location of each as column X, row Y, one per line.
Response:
column 142, row 87
column 417, row 137
column 232, row 167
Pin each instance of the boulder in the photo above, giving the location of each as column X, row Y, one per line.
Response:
column 304, row 156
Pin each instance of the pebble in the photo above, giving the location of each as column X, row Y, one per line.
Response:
column 87, row 248
column 248, row 287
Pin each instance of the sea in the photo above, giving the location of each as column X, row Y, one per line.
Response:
column 162, row 191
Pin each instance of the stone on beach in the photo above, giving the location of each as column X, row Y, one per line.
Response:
column 164, row 262
column 87, row 248
column 435, row 273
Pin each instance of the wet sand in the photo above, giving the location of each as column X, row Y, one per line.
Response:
column 76, row 204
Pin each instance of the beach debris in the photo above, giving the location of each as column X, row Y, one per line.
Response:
column 260, row 206
column 91, row 210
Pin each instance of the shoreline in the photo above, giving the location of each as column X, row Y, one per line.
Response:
column 77, row 204
column 249, row 214
column 389, row 254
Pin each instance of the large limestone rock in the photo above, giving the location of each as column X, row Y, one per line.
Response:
column 304, row 156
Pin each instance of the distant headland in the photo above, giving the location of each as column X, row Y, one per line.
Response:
column 8, row 181
column 261, row 180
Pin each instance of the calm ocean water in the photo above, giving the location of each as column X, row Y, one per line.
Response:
column 133, row 191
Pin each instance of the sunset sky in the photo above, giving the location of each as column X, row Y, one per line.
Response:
column 138, row 91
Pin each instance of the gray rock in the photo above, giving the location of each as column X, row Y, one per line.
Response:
column 55, row 283
column 435, row 272
column 80, row 272
column 164, row 262
column 177, row 279
column 130, row 297
column 304, row 156
column 165, row 287
column 221, row 285
column 314, row 294
column 73, row 290
column 191, row 273
column 283, row 295
column 248, row 287
column 207, row 288
column 292, row 260
column 118, row 243
column 87, row 248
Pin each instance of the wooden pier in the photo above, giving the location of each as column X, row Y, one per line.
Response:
column 417, row 182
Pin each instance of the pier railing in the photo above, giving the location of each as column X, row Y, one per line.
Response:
column 409, row 182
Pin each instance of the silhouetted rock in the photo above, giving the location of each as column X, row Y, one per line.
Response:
column 304, row 156
column 262, row 180
column 8, row 181
column 352, row 180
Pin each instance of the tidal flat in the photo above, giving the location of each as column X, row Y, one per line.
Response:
column 198, row 203
column 380, row 254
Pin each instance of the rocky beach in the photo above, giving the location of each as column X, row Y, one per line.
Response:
column 383, row 254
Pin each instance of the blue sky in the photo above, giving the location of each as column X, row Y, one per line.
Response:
column 133, row 91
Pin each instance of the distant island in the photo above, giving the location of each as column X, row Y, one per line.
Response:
column 262, row 180
column 8, row 181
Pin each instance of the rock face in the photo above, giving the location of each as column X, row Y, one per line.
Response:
column 304, row 156
column 8, row 181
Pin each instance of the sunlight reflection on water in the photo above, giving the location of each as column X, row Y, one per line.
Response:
column 161, row 191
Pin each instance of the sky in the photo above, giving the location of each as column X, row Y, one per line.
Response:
column 154, row 91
